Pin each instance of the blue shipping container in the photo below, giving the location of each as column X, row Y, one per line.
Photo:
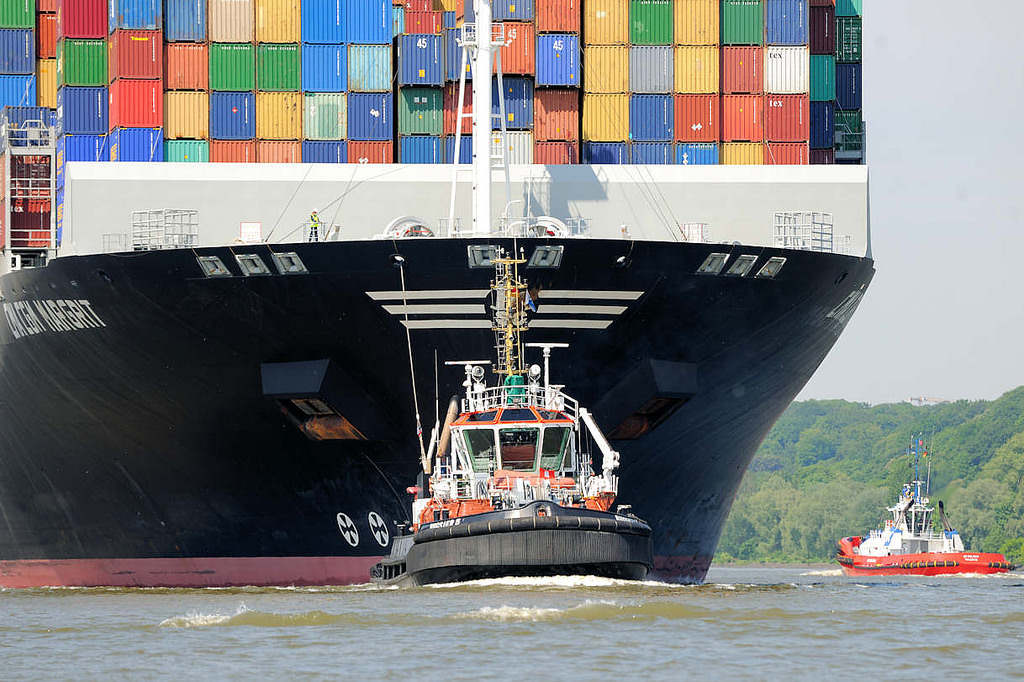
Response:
column 369, row 116
column 17, row 116
column 786, row 22
column 232, row 115
column 558, row 59
column 369, row 68
column 185, row 20
column 368, row 22
column 518, row 103
column 136, row 144
column 17, row 51
column 419, row 60
column 449, row 19
column 320, row 151
column 323, row 21
column 697, row 154
column 134, row 14
column 651, row 152
column 605, row 152
column 17, row 91
column 324, row 68
column 420, row 149
column 82, row 111
column 651, row 118
column 465, row 149
column 848, row 85
column 398, row 20
column 79, row 148
column 823, row 125
column 517, row 10
column 453, row 56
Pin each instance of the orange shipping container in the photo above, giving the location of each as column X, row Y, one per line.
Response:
column 47, row 6
column 233, row 151
column 230, row 21
column 186, row 66
column 786, row 153
column 451, row 104
column 422, row 22
column 370, row 152
column 606, row 22
column 558, row 16
column 279, row 115
column 134, row 54
column 46, row 83
column 742, row 118
column 556, row 114
column 697, row 118
column 555, row 153
column 517, row 54
column 696, row 22
column 46, row 36
column 786, row 118
column 742, row 70
column 186, row 115
column 278, row 151
column 278, row 21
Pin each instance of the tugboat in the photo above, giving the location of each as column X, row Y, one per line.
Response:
column 507, row 487
column 908, row 544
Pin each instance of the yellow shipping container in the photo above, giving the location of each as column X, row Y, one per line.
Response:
column 186, row 115
column 278, row 21
column 606, row 22
column 46, row 83
column 279, row 115
column 742, row 154
column 697, row 22
column 446, row 5
column 230, row 21
column 696, row 69
column 606, row 118
column 606, row 68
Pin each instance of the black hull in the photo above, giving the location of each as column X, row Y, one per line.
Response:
column 150, row 438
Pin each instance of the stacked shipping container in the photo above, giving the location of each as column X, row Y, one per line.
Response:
column 849, row 120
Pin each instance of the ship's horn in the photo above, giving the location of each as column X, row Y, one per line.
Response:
column 446, row 430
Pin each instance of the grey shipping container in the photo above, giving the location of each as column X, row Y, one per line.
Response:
column 650, row 69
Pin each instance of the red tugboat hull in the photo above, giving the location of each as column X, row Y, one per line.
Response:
column 924, row 563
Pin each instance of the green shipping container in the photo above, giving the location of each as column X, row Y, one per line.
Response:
column 278, row 67
column 324, row 116
column 81, row 62
column 232, row 67
column 187, row 151
column 823, row 78
column 849, row 8
column 849, row 131
column 650, row 22
column 848, row 39
column 742, row 22
column 17, row 13
column 420, row 111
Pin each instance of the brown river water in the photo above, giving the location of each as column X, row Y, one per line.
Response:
column 744, row 623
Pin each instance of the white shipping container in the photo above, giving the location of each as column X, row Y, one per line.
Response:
column 787, row 70
column 651, row 69
column 518, row 145
column 231, row 21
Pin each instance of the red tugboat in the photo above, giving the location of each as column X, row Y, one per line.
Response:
column 908, row 543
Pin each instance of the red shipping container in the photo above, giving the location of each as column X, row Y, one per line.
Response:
column 186, row 66
column 278, row 151
column 787, row 118
column 742, row 118
column 823, row 30
column 517, row 54
column 786, row 153
column 136, row 104
column 558, row 16
column 418, row 5
column 82, row 19
column 233, row 151
column 134, row 54
column 25, row 167
column 742, row 70
column 697, row 118
column 30, row 223
column 46, row 6
column 3, row 222
column 555, row 153
column 451, row 104
column 556, row 114
column 46, row 36
column 823, row 156
column 370, row 152
column 423, row 22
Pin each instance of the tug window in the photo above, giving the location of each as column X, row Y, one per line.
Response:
column 481, row 448
column 518, row 449
column 552, row 448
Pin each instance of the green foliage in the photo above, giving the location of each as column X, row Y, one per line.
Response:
column 829, row 468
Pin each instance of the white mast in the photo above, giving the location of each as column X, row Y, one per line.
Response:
column 482, row 120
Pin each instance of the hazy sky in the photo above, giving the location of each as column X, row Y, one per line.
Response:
column 944, row 104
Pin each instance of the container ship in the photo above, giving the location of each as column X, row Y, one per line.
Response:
column 203, row 387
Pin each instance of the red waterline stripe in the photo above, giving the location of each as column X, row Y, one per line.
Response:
column 186, row 572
